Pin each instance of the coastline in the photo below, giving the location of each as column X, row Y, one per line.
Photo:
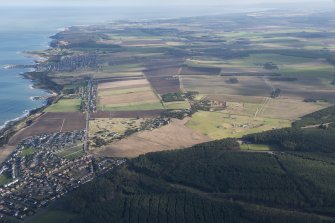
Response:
column 40, row 80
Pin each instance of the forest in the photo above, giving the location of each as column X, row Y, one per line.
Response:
column 211, row 182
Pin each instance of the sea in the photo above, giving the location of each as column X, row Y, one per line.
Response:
column 24, row 29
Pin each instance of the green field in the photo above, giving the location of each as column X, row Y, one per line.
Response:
column 218, row 125
column 27, row 152
column 132, row 107
column 4, row 179
column 65, row 105
column 177, row 105
column 72, row 153
column 255, row 147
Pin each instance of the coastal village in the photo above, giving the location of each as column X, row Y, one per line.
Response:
column 44, row 168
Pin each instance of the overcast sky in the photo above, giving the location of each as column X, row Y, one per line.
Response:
column 145, row 2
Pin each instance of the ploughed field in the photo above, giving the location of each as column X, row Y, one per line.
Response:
column 51, row 123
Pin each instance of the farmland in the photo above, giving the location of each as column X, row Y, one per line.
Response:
column 177, row 105
column 65, row 105
column 218, row 125
column 51, row 123
column 173, row 136
column 127, row 95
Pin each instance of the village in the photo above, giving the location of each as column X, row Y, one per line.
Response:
column 44, row 168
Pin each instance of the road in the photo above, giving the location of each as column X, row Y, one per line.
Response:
column 88, row 113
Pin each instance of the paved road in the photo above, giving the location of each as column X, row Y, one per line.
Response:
column 88, row 114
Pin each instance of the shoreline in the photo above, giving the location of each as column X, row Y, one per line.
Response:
column 39, row 80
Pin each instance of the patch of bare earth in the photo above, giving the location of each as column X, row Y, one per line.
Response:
column 5, row 152
column 173, row 136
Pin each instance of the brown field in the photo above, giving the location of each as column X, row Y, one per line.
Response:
column 51, row 123
column 290, row 108
column 122, row 88
column 146, row 96
column 306, row 88
column 164, row 85
column 173, row 136
column 122, row 84
column 127, row 114
column 164, row 80
column 5, row 152
column 125, row 93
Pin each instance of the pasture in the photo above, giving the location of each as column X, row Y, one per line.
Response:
column 71, row 153
column 65, row 105
column 218, row 125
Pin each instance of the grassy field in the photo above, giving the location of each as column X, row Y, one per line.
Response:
column 65, row 105
column 177, row 105
column 218, row 125
column 4, row 179
column 27, row 152
column 255, row 147
column 72, row 153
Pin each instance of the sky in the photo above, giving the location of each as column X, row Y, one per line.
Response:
column 144, row 2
